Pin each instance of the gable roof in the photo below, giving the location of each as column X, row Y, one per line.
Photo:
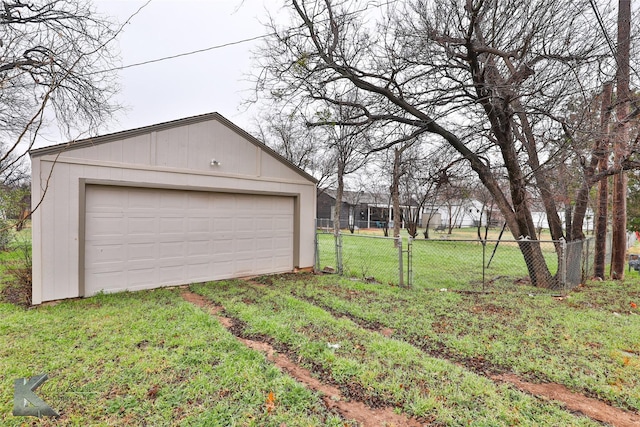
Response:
column 103, row 139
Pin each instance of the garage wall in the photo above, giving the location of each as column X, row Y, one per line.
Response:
column 177, row 156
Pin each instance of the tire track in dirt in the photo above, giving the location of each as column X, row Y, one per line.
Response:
column 592, row 408
column 575, row 402
column 332, row 397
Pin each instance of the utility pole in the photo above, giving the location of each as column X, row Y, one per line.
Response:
column 619, row 209
column 603, row 186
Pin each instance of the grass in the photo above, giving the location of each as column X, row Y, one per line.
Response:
column 588, row 341
column 146, row 358
column 371, row 367
column 151, row 358
column 451, row 264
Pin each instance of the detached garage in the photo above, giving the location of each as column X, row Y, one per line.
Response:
column 185, row 201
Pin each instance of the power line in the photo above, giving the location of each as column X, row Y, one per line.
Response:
column 179, row 55
column 594, row 6
column 220, row 46
column 614, row 51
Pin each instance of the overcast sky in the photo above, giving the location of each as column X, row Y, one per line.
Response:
column 187, row 86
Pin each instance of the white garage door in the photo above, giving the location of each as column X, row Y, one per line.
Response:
column 140, row 238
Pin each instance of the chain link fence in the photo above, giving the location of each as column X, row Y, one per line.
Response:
column 466, row 265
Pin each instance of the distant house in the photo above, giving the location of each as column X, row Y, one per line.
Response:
column 365, row 209
column 540, row 220
column 460, row 214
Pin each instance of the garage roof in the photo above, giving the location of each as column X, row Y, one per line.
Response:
column 103, row 139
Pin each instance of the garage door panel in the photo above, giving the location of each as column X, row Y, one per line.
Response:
column 198, row 248
column 245, row 246
column 171, row 224
column 225, row 258
column 104, row 280
column 222, row 224
column 199, row 225
column 102, row 254
column 144, row 238
column 221, row 239
column 281, row 263
column 245, row 267
column 140, row 201
column 141, row 225
column 141, row 251
column 139, row 277
column 281, row 224
column 172, row 273
column 174, row 249
column 198, row 201
column 264, row 244
column 245, row 224
column 224, row 269
column 169, row 201
column 223, row 252
column 264, row 223
column 282, row 242
column 108, row 225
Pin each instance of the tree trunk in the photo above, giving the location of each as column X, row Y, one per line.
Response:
column 520, row 222
column 601, row 227
column 597, row 153
column 395, row 192
column 339, row 192
column 568, row 216
column 528, row 139
column 603, row 187
column 619, row 209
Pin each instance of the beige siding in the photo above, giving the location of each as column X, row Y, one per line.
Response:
column 177, row 159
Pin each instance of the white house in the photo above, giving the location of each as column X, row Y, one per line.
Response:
column 459, row 213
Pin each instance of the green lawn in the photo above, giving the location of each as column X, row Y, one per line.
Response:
column 151, row 358
column 588, row 341
column 436, row 263
column 420, row 368
column 146, row 358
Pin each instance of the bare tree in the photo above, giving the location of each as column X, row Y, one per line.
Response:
column 52, row 60
column 490, row 78
column 415, row 187
column 289, row 135
column 13, row 170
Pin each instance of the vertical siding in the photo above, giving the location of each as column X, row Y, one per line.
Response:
column 56, row 223
column 36, row 231
column 137, row 150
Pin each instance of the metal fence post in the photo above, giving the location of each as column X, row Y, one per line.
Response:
column 563, row 245
column 400, row 268
column 317, row 252
column 585, row 264
column 409, row 262
column 339, row 253
column 484, row 264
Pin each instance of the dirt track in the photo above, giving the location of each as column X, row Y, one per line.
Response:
column 368, row 416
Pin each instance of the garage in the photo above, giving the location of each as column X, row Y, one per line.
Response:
column 139, row 238
column 186, row 201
